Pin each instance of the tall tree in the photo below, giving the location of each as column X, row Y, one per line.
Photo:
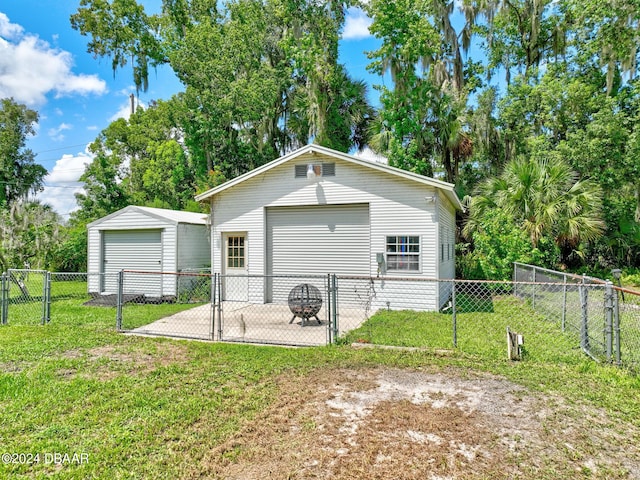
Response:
column 121, row 29
column 19, row 174
column 261, row 77
column 423, row 115
column 29, row 231
column 141, row 160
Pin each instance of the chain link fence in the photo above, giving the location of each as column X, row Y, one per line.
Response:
column 559, row 316
column 470, row 316
column 282, row 310
column 166, row 304
column 279, row 310
column 626, row 326
column 606, row 317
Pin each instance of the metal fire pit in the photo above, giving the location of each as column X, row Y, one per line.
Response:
column 305, row 301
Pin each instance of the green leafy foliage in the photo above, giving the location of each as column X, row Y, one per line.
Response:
column 19, row 174
column 29, row 231
column 263, row 77
column 70, row 253
column 496, row 246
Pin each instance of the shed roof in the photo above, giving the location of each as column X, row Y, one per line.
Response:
column 171, row 216
column 445, row 187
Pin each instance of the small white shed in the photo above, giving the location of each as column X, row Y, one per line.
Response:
column 317, row 211
column 148, row 240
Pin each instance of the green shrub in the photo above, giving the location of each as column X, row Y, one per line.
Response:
column 496, row 246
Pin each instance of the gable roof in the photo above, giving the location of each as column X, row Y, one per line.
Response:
column 171, row 216
column 445, row 187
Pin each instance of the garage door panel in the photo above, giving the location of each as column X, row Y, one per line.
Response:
column 316, row 240
column 133, row 250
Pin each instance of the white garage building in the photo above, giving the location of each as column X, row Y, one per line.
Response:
column 317, row 211
column 148, row 240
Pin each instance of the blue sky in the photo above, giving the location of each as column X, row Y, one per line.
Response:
column 44, row 64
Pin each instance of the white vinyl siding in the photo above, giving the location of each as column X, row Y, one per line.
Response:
column 193, row 247
column 133, row 250
column 446, row 259
column 446, row 241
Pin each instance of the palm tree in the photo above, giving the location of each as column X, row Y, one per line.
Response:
column 544, row 197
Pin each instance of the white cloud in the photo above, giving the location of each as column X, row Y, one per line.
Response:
column 69, row 168
column 8, row 29
column 30, row 68
column 56, row 133
column 62, row 182
column 125, row 109
column 356, row 24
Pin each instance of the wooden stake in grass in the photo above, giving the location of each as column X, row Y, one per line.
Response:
column 514, row 344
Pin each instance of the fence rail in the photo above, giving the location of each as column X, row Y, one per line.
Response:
column 559, row 315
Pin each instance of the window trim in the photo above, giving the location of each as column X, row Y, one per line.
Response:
column 230, row 251
column 416, row 256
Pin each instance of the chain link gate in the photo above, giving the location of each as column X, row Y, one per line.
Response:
column 291, row 310
column 25, row 295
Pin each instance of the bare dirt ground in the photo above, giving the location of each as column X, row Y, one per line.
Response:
column 398, row 424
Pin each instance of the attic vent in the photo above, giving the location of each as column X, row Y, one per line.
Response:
column 326, row 169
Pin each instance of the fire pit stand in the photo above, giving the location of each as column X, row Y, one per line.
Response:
column 305, row 301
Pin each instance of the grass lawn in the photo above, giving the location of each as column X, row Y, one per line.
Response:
column 480, row 329
column 157, row 408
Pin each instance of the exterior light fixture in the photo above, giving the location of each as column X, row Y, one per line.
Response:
column 313, row 171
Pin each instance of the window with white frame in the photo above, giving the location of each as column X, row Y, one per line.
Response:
column 403, row 253
column 235, row 252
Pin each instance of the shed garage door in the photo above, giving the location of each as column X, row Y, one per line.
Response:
column 316, row 240
column 132, row 250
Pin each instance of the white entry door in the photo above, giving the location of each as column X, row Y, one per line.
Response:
column 236, row 283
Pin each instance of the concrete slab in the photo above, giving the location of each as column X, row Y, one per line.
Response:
column 252, row 323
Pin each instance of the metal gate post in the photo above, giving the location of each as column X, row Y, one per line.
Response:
column 608, row 312
column 334, row 305
column 564, row 303
column 219, row 285
column 454, row 314
column 119, row 300
column 48, row 297
column 213, row 294
column 584, row 324
column 329, row 331
column 5, row 299
column 616, row 325
column 44, row 298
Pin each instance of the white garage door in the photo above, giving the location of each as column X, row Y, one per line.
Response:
column 133, row 250
column 316, row 240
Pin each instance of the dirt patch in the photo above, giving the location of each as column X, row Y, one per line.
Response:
column 398, row 424
column 109, row 361
column 13, row 367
